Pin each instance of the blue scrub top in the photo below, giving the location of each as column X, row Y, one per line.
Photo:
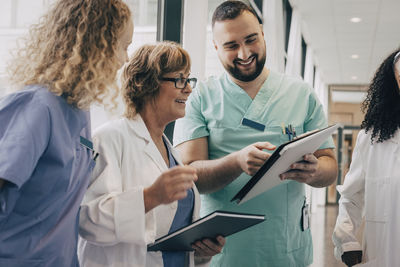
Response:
column 183, row 217
column 47, row 171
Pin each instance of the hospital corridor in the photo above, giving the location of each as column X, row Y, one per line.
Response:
column 199, row 133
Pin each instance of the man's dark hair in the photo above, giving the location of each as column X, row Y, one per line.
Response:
column 230, row 10
column 382, row 104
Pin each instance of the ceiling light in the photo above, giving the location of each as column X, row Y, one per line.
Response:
column 355, row 56
column 354, row 77
column 355, row 20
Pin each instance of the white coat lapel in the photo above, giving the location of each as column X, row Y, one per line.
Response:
column 139, row 127
column 152, row 151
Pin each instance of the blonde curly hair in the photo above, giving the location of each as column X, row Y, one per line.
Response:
column 72, row 51
column 141, row 76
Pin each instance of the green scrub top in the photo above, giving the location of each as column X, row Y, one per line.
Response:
column 215, row 109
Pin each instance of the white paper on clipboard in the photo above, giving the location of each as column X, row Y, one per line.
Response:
column 279, row 162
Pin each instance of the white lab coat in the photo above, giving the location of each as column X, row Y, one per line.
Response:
column 371, row 190
column 114, row 228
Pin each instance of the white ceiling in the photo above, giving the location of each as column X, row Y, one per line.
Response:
column 327, row 28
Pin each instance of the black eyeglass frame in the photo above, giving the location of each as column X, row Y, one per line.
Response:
column 175, row 80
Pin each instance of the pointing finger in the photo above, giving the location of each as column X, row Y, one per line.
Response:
column 264, row 145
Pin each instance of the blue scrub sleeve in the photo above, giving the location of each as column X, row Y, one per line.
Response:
column 24, row 135
column 193, row 125
column 316, row 119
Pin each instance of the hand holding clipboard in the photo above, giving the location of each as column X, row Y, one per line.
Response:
column 280, row 161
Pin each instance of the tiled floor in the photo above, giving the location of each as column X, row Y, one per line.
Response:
column 322, row 224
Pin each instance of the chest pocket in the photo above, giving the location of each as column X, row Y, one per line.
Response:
column 377, row 192
column 82, row 165
column 276, row 133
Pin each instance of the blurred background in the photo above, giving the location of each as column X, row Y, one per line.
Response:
column 334, row 45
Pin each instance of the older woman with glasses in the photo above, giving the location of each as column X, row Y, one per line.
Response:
column 372, row 185
column 140, row 191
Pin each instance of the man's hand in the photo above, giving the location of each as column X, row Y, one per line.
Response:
column 208, row 247
column 317, row 170
column 304, row 171
column 351, row 258
column 252, row 157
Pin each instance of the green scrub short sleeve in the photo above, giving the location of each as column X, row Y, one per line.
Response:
column 193, row 125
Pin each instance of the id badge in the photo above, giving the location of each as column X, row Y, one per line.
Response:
column 305, row 218
column 89, row 145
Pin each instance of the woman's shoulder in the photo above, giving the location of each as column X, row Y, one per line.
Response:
column 118, row 137
column 27, row 94
column 30, row 101
column 363, row 138
column 111, row 129
column 37, row 97
column 119, row 130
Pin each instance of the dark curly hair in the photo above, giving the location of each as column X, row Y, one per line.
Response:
column 382, row 104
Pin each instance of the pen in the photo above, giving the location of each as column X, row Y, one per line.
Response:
column 288, row 132
column 283, row 128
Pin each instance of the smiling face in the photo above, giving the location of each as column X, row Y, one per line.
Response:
column 170, row 102
column 240, row 46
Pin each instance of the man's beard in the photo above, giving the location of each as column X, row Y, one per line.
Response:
column 237, row 73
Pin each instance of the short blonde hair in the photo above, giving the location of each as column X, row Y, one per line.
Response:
column 141, row 76
column 72, row 50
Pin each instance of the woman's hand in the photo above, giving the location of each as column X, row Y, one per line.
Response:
column 208, row 247
column 171, row 185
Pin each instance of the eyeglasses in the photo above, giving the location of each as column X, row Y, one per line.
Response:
column 180, row 83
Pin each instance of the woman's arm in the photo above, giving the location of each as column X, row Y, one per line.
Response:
column 109, row 212
column 112, row 213
column 351, row 203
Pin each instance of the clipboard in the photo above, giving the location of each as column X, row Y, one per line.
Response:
column 279, row 162
column 217, row 223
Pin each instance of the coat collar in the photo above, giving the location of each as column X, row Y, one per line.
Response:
column 396, row 138
column 138, row 126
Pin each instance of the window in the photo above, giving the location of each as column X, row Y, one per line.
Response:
column 144, row 14
column 287, row 19
column 303, row 56
column 213, row 66
column 15, row 18
column 314, row 71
